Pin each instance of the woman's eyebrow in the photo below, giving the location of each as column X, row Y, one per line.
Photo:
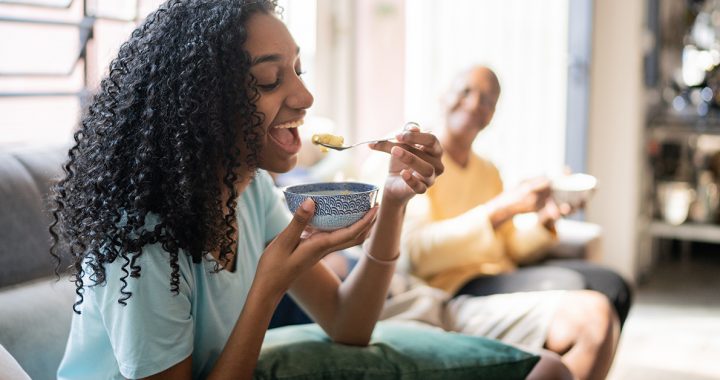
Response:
column 266, row 58
column 270, row 58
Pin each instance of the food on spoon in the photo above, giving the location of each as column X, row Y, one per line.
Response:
column 327, row 139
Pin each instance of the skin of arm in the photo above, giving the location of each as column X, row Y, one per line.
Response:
column 437, row 246
column 413, row 167
column 337, row 308
column 286, row 256
column 348, row 311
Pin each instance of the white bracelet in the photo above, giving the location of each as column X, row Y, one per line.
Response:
column 382, row 262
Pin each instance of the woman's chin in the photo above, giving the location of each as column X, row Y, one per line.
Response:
column 280, row 166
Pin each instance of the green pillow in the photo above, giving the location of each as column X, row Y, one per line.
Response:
column 397, row 351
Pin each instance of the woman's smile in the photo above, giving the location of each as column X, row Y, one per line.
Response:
column 286, row 136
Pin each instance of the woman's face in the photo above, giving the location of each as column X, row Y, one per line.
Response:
column 471, row 104
column 283, row 95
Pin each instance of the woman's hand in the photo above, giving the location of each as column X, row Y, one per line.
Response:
column 414, row 164
column 297, row 248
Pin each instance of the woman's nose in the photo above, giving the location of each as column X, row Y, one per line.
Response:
column 300, row 98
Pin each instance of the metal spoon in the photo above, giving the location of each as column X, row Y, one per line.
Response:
column 343, row 147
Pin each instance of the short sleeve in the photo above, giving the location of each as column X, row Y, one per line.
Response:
column 277, row 214
column 154, row 330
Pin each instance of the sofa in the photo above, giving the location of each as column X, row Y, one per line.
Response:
column 36, row 307
column 35, row 310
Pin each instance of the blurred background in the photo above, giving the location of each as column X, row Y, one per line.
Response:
column 628, row 91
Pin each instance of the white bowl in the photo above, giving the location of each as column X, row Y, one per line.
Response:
column 574, row 189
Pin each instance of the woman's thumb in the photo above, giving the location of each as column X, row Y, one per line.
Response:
column 300, row 220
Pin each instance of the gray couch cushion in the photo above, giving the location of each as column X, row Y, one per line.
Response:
column 35, row 308
column 43, row 163
column 23, row 226
column 35, row 324
column 25, row 177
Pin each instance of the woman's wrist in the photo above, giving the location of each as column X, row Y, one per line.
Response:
column 382, row 261
column 266, row 291
column 390, row 203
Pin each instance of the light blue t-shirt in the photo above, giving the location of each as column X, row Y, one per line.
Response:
column 158, row 329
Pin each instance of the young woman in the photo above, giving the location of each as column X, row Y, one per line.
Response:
column 181, row 247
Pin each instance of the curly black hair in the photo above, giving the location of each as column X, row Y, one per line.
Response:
column 166, row 133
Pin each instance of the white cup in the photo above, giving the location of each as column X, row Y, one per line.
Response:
column 675, row 199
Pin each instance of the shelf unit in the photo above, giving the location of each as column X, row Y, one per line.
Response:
column 700, row 232
column 684, row 130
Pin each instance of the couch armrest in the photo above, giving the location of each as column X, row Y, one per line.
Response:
column 9, row 367
column 35, row 320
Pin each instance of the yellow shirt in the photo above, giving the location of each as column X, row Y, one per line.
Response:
column 448, row 238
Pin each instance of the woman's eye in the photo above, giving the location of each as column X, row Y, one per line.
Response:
column 269, row 86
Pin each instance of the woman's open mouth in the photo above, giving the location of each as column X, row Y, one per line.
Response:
column 286, row 136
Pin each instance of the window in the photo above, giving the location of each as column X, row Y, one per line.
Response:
column 59, row 50
column 526, row 43
column 62, row 48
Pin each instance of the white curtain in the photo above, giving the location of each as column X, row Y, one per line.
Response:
column 525, row 42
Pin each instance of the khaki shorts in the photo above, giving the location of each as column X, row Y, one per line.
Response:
column 520, row 319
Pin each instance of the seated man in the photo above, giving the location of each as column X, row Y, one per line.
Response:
column 462, row 229
column 473, row 188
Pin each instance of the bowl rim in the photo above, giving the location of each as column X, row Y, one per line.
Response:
column 592, row 183
column 288, row 189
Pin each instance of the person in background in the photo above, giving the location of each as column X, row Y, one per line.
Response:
column 460, row 233
column 180, row 243
column 473, row 190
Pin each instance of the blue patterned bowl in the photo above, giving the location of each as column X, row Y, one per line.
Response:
column 337, row 204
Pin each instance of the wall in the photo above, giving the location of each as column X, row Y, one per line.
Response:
column 616, row 123
column 380, row 64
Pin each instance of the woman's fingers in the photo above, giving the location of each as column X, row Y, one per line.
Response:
column 423, row 141
column 414, row 162
column 425, row 146
column 432, row 154
column 382, row 146
column 356, row 241
column 290, row 237
column 417, row 183
column 326, row 242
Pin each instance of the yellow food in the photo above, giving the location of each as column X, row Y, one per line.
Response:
column 328, row 139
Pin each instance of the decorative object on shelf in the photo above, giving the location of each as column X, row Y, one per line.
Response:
column 675, row 199
column 694, row 89
column 705, row 207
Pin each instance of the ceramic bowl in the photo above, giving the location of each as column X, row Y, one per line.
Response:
column 337, row 204
column 573, row 189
